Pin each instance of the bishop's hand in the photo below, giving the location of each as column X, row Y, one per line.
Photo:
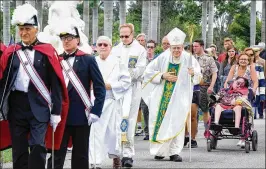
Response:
column 169, row 77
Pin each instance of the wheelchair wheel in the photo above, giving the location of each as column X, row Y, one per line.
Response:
column 254, row 140
column 247, row 146
column 213, row 140
column 209, row 145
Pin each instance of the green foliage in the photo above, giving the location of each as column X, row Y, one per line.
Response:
column 158, row 50
column 240, row 28
column 240, row 44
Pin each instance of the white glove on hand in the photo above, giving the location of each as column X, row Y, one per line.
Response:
column 92, row 118
column 54, row 120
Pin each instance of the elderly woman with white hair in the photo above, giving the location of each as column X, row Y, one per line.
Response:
column 106, row 134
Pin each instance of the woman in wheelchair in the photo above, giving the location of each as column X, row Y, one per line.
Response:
column 229, row 99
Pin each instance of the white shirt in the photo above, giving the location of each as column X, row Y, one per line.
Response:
column 22, row 80
column 71, row 61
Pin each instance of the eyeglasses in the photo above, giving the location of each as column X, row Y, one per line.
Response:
column 166, row 43
column 102, row 44
column 67, row 38
column 150, row 47
column 125, row 36
column 243, row 59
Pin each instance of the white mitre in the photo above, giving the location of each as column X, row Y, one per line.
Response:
column 24, row 15
column 176, row 37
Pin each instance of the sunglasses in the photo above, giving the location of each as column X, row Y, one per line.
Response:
column 150, row 47
column 102, row 44
column 126, row 36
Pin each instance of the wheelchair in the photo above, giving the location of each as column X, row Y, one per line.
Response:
column 226, row 128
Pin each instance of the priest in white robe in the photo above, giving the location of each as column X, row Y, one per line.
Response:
column 105, row 136
column 133, row 55
column 167, row 90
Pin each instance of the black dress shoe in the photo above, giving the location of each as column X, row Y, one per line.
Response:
column 127, row 162
column 159, row 157
column 176, row 158
column 146, row 137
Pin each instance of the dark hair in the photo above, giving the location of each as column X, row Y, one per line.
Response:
column 227, row 56
column 152, row 41
column 201, row 42
column 246, row 83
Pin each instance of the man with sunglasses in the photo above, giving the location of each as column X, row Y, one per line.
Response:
column 32, row 92
column 167, row 91
column 105, row 133
column 80, row 72
column 133, row 55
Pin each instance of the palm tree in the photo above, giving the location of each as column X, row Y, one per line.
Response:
column 108, row 18
column 95, row 16
column 263, row 22
column 210, row 23
column 253, row 23
column 86, row 15
column 204, row 21
column 32, row 2
column 145, row 17
column 6, row 22
column 122, row 11
column 39, row 8
column 159, row 22
column 154, row 19
column 17, row 38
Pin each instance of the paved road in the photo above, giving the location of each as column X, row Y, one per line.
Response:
column 227, row 155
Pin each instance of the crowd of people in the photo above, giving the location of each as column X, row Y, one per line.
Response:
column 94, row 103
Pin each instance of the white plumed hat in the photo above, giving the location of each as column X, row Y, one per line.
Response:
column 66, row 26
column 24, row 15
column 176, row 37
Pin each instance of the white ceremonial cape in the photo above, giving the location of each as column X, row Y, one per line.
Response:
column 179, row 106
column 105, row 136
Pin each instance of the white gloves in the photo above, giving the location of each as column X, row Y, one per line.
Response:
column 54, row 120
column 92, row 118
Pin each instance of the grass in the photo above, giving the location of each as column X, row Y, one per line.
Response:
column 7, row 155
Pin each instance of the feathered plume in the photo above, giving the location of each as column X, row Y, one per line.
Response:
column 24, row 14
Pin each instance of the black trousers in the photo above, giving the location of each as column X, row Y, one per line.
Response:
column 80, row 152
column 26, row 131
column 145, row 112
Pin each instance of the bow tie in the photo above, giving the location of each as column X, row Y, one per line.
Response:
column 26, row 47
column 66, row 56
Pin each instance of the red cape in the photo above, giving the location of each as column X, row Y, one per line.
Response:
column 50, row 52
column 2, row 47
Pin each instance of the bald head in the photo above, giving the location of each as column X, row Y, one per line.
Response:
column 165, row 43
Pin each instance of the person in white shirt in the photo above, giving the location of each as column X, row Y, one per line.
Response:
column 105, row 134
column 134, row 56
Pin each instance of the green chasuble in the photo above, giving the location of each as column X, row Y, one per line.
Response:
column 166, row 96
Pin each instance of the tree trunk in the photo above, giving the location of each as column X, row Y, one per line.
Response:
column 6, row 22
column 17, row 38
column 204, row 21
column 154, row 19
column 149, row 31
column 39, row 8
column 86, row 17
column 122, row 11
column 253, row 23
column 210, row 23
column 263, row 22
column 145, row 17
column 95, row 22
column 108, row 18
column 159, row 22
column 32, row 2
